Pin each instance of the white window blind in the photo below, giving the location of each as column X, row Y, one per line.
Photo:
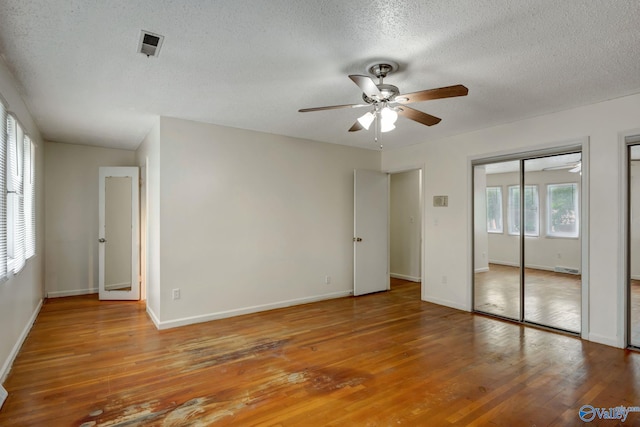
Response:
column 16, row 229
column 29, row 197
column 3, row 190
column 17, row 203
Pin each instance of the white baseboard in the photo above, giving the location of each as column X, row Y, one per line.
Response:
column 405, row 277
column 72, row 293
column 153, row 317
column 482, row 269
column 446, row 303
column 515, row 264
column 635, row 277
column 534, row 266
column 6, row 367
column 507, row 263
column 240, row 311
column 117, row 286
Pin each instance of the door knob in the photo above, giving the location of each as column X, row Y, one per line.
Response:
column 102, row 240
column 357, row 239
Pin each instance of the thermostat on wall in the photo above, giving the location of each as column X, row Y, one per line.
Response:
column 440, row 201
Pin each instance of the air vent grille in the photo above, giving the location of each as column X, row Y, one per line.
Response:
column 150, row 43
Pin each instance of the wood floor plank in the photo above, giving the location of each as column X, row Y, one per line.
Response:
column 383, row 359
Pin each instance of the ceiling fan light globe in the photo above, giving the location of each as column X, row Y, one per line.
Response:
column 366, row 120
column 386, row 126
column 389, row 115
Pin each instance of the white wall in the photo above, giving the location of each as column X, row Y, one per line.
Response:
column 405, row 225
column 541, row 252
column 252, row 221
column 448, row 172
column 148, row 159
column 71, row 187
column 21, row 296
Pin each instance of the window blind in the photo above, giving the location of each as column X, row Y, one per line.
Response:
column 15, row 197
column 29, row 197
column 3, row 190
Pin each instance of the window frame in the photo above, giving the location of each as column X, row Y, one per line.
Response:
column 19, row 213
column 576, row 201
column 511, row 213
column 499, row 230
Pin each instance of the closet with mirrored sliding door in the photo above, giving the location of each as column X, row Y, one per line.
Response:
column 528, row 238
column 632, row 291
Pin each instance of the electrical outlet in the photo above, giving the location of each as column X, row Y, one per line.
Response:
column 327, row 280
column 176, row 293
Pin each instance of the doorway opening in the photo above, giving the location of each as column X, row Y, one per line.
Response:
column 405, row 225
column 388, row 230
column 405, row 229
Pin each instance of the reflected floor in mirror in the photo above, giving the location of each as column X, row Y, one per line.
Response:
column 635, row 313
column 382, row 359
column 551, row 299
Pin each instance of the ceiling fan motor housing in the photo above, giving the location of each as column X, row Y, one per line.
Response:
column 380, row 70
column 389, row 92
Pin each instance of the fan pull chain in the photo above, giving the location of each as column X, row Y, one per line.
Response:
column 378, row 124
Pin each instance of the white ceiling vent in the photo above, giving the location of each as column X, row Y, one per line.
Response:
column 150, row 43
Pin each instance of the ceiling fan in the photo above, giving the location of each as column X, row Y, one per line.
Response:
column 574, row 167
column 387, row 103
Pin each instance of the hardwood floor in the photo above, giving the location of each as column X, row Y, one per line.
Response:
column 377, row 360
column 634, row 296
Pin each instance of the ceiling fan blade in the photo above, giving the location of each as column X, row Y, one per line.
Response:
column 367, row 85
column 356, row 127
column 332, row 107
column 565, row 166
column 426, row 95
column 418, row 116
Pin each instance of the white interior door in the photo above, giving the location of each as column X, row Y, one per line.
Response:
column 118, row 234
column 371, row 232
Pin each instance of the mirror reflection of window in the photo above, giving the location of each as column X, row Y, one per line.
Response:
column 494, row 209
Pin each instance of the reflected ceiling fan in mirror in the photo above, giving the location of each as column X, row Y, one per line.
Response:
column 386, row 103
column 574, row 167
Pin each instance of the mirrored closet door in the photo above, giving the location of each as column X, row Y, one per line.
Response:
column 527, row 243
column 633, row 245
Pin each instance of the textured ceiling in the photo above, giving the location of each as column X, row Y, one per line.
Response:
column 253, row 63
